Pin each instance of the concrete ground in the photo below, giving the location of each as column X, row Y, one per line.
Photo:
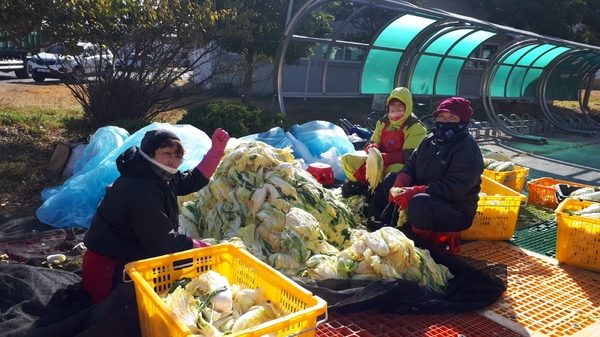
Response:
column 568, row 157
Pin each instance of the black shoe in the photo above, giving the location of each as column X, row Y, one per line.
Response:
column 373, row 225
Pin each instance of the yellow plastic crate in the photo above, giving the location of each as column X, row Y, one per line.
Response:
column 156, row 275
column 577, row 237
column 514, row 179
column 497, row 213
column 542, row 191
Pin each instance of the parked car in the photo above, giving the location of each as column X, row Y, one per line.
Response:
column 134, row 62
column 182, row 60
column 56, row 62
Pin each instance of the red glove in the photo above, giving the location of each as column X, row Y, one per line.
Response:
column 199, row 244
column 403, row 198
column 370, row 145
column 392, row 158
column 402, row 180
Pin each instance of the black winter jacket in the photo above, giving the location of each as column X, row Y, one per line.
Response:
column 139, row 215
column 451, row 170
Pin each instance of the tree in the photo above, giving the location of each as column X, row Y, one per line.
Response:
column 369, row 22
column 547, row 17
column 151, row 36
column 265, row 21
column 575, row 20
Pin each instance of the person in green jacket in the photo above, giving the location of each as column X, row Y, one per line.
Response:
column 396, row 136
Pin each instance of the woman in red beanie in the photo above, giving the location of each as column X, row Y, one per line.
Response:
column 440, row 182
column 139, row 215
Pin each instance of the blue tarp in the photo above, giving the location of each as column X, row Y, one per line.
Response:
column 74, row 203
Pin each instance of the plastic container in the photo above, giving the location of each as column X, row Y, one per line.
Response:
column 542, row 191
column 497, row 213
column 156, row 275
column 577, row 237
column 514, row 179
column 322, row 172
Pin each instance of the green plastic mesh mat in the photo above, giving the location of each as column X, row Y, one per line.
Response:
column 540, row 238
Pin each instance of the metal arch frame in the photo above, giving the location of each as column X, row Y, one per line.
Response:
column 309, row 6
column 567, row 59
column 333, row 42
column 412, row 52
column 583, row 108
column 284, row 43
column 541, row 92
column 456, row 25
column 400, row 6
column 542, row 95
column 292, row 25
column 528, row 68
column 486, row 86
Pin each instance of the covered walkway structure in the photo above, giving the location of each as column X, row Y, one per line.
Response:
column 438, row 54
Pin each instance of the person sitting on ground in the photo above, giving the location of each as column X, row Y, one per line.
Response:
column 440, row 183
column 396, row 135
column 138, row 217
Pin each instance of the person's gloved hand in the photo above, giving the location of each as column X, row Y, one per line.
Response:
column 212, row 158
column 392, row 158
column 402, row 180
column 219, row 140
column 370, row 146
column 403, row 199
column 199, row 244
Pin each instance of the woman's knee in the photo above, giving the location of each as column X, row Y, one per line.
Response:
column 388, row 181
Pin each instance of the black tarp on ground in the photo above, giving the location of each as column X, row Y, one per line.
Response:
column 38, row 301
column 476, row 285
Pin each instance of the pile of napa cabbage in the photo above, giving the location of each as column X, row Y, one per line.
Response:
column 261, row 196
column 210, row 306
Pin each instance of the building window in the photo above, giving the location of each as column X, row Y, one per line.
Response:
column 482, row 52
column 345, row 53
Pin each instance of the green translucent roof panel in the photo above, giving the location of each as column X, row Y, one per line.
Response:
column 530, row 83
column 499, row 81
column 514, row 81
column 517, row 54
column 424, row 75
column 532, row 55
column 457, row 43
column 564, row 81
column 549, row 56
column 447, row 83
column 519, row 73
column 465, row 47
column 579, row 62
column 379, row 71
column 441, row 44
column 403, row 30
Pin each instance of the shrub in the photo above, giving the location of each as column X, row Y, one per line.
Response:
column 237, row 119
column 131, row 125
column 123, row 99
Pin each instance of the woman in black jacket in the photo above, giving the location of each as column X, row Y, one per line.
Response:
column 440, row 183
column 139, row 215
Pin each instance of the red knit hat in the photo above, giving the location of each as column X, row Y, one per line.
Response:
column 457, row 106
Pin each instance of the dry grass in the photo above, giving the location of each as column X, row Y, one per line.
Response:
column 34, row 117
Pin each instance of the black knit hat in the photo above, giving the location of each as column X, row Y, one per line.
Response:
column 154, row 138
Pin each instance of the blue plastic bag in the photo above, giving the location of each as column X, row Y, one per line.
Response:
column 75, row 202
column 320, row 136
column 275, row 137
